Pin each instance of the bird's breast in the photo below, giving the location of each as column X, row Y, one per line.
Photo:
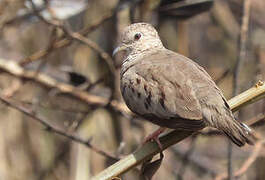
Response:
column 142, row 95
column 133, row 95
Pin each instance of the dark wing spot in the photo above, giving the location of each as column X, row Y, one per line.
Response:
column 163, row 96
column 145, row 88
column 138, row 81
column 162, row 103
column 148, row 99
column 162, row 99
column 150, row 94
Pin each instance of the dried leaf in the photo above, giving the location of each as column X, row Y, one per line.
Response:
column 150, row 168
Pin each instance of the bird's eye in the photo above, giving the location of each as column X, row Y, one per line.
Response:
column 137, row 36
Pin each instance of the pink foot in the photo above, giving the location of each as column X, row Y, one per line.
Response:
column 154, row 137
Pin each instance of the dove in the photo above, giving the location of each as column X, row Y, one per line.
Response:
column 171, row 90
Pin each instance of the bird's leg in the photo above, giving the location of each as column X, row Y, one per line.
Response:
column 154, row 137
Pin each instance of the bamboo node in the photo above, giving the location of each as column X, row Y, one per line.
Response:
column 259, row 83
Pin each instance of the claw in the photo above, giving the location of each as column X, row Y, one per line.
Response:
column 155, row 137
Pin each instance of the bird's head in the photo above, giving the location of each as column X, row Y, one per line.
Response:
column 137, row 38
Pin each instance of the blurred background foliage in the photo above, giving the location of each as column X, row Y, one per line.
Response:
column 207, row 31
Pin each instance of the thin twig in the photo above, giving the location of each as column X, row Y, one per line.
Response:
column 251, row 159
column 14, row 69
column 64, row 42
column 257, row 120
column 185, row 160
column 20, row 18
column 242, row 41
column 52, row 107
column 80, row 38
column 200, row 163
column 95, row 47
column 105, row 56
column 37, row 13
column 242, row 44
column 245, row 166
column 52, row 39
column 55, row 130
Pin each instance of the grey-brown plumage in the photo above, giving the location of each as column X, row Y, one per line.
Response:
column 171, row 90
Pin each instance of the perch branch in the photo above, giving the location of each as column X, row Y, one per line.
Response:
column 248, row 97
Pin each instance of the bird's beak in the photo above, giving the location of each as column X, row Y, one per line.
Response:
column 118, row 49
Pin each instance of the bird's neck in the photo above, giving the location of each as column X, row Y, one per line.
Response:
column 135, row 57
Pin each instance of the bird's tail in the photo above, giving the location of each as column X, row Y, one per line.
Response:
column 239, row 133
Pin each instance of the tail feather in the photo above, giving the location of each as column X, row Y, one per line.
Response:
column 239, row 133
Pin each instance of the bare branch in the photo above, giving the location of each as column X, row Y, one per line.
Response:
column 249, row 161
column 14, row 69
column 95, row 47
column 238, row 67
column 64, row 42
column 186, row 158
column 80, row 38
column 55, row 130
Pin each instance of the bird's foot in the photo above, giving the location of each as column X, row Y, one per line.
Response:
column 155, row 137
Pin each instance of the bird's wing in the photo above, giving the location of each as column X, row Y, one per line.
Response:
column 167, row 93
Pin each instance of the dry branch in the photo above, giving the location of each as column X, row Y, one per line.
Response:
column 95, row 47
column 13, row 68
column 53, row 129
column 150, row 149
column 241, row 55
column 56, row 23
column 64, row 42
column 249, row 161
